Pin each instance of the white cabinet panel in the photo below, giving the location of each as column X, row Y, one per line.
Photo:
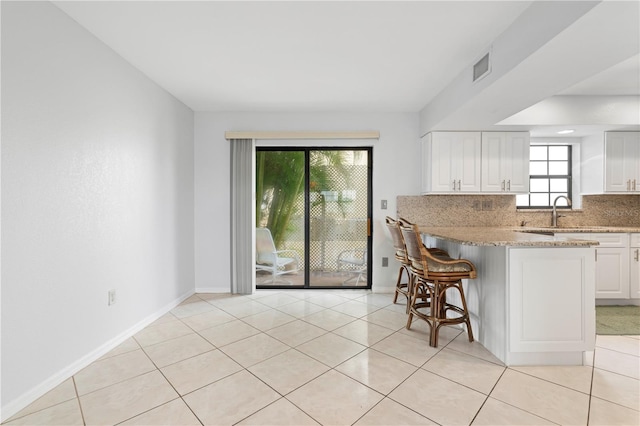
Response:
column 505, row 162
column 634, row 266
column 612, row 263
column 561, row 280
column 451, row 162
column 622, row 162
column 472, row 162
column 610, row 239
column 612, row 273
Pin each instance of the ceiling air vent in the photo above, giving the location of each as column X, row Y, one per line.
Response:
column 481, row 68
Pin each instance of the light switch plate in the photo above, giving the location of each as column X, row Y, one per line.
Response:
column 383, row 204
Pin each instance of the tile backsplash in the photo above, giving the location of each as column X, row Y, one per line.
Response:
column 500, row 210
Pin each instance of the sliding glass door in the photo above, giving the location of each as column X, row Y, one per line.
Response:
column 313, row 208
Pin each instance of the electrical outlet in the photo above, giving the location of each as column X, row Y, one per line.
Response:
column 477, row 205
column 112, row 297
column 385, row 262
column 383, row 204
column 487, row 205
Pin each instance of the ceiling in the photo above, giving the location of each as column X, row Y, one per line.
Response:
column 339, row 56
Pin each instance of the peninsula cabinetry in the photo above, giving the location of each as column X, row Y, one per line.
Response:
column 622, row 162
column 451, row 162
column 533, row 300
column 505, row 162
column 534, row 275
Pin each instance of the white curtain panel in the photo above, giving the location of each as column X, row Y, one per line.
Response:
column 242, row 216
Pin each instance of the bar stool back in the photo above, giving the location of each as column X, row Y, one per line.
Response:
column 402, row 287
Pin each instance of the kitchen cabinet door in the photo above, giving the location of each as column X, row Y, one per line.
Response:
column 622, row 162
column 561, row 280
column 615, row 263
column 505, row 162
column 612, row 265
column 612, row 273
column 451, row 162
column 634, row 267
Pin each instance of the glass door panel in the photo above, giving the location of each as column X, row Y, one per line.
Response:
column 280, row 209
column 338, row 218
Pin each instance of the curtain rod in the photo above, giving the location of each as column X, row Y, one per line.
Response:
column 369, row 134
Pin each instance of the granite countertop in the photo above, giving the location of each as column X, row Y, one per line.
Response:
column 584, row 229
column 487, row 236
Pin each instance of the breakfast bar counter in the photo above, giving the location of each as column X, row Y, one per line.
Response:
column 533, row 302
column 518, row 237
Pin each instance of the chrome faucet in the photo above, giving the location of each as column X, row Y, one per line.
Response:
column 554, row 214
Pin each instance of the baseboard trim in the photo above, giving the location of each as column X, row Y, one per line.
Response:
column 617, row 302
column 383, row 289
column 15, row 406
column 215, row 290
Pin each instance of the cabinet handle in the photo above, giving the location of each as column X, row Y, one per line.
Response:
column 636, row 256
column 503, row 185
column 509, row 185
column 454, row 184
column 459, row 185
column 634, row 184
column 629, row 185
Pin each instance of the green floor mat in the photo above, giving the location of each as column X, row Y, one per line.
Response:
column 618, row 320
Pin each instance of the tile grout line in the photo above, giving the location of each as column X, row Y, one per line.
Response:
column 75, row 388
column 172, row 386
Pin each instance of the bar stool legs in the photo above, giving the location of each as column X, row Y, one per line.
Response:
column 402, row 287
column 432, row 295
column 441, row 307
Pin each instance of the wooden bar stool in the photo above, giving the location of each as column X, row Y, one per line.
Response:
column 432, row 276
column 402, row 287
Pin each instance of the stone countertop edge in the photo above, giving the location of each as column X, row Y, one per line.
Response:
column 505, row 237
column 578, row 229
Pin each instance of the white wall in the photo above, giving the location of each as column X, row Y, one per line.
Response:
column 97, row 194
column 396, row 171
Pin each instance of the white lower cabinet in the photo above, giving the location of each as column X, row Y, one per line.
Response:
column 634, row 266
column 551, row 305
column 617, row 270
column 529, row 305
column 612, row 273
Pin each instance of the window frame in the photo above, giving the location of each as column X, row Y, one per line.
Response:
column 568, row 177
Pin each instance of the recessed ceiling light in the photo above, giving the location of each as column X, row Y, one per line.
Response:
column 565, row 132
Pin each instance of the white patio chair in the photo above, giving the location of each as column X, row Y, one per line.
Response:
column 353, row 262
column 269, row 259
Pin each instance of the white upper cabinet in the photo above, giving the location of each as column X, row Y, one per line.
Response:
column 505, row 162
column 451, row 162
column 622, row 162
column 611, row 164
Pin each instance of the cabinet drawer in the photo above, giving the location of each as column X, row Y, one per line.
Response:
column 610, row 239
column 635, row 240
column 575, row 235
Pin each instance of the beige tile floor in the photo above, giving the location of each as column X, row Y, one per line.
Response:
column 333, row 358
